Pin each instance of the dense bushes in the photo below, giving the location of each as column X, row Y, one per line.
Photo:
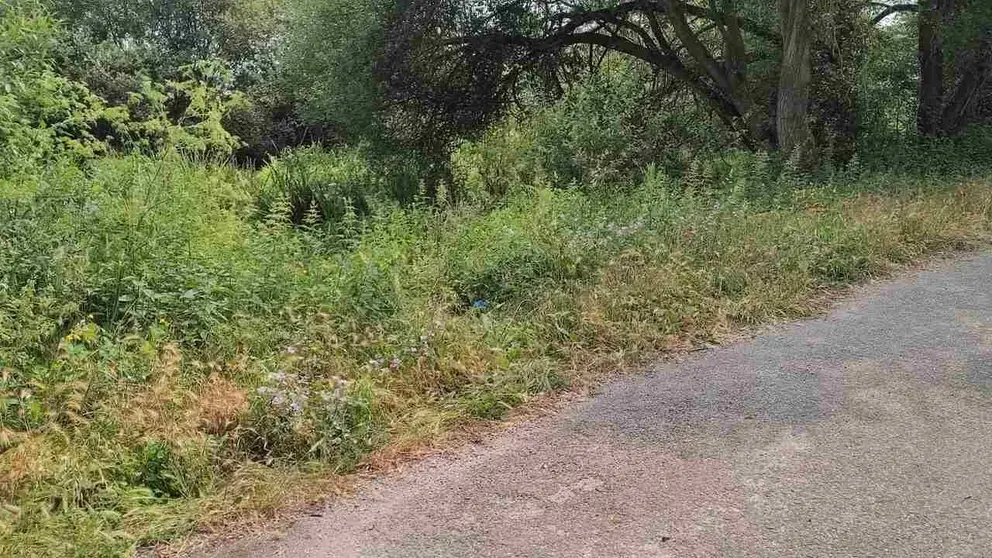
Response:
column 45, row 115
column 42, row 113
column 599, row 136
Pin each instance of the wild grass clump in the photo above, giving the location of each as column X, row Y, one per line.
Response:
column 318, row 187
column 172, row 356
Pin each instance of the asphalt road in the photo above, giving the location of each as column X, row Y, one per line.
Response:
column 867, row 432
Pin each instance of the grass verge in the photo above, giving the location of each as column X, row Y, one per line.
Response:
column 170, row 360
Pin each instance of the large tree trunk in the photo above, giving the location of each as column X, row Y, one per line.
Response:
column 729, row 77
column 792, row 115
column 943, row 113
column 934, row 16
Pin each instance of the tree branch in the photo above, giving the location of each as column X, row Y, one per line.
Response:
column 697, row 50
column 890, row 10
column 658, row 59
column 579, row 18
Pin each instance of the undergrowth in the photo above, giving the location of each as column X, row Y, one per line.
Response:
column 179, row 345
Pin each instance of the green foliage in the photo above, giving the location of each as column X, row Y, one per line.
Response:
column 594, row 134
column 972, row 24
column 152, row 221
column 601, row 135
column 109, row 38
column 315, row 187
column 42, row 114
column 887, row 85
column 303, row 415
column 328, row 57
column 133, row 53
column 965, row 155
column 507, row 255
column 504, row 161
column 186, row 115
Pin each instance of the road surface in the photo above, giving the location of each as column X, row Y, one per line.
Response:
column 867, row 432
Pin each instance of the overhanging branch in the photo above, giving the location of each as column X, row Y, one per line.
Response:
column 891, row 10
column 572, row 21
column 664, row 61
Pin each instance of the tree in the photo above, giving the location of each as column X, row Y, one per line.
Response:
column 112, row 46
column 770, row 75
column 933, row 16
column 972, row 89
column 455, row 64
column 327, row 59
column 967, row 26
column 840, row 31
column 792, row 118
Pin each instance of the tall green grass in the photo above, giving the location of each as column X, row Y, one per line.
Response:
column 178, row 347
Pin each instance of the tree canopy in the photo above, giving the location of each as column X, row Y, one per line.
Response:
column 422, row 75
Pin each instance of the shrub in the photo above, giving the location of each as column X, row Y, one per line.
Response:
column 600, row 137
column 45, row 115
column 186, row 114
column 298, row 416
column 42, row 114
